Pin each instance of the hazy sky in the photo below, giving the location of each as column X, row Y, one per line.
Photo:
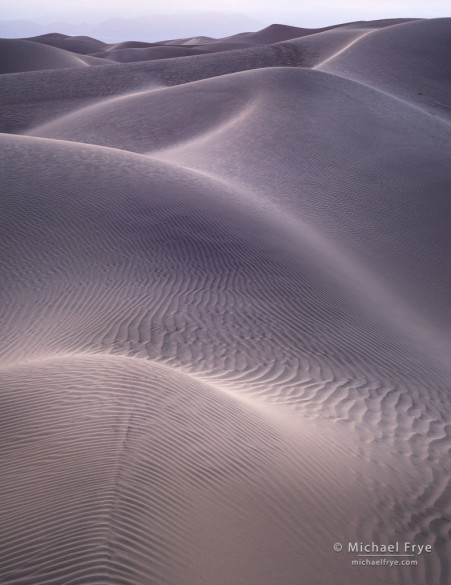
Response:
column 298, row 12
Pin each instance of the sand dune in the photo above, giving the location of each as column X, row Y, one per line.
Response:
column 225, row 307
column 18, row 55
column 422, row 43
column 131, row 55
column 81, row 45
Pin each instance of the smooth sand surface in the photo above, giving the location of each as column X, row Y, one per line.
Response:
column 225, row 307
column 17, row 55
column 81, row 44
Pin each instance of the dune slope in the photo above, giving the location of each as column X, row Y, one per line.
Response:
column 21, row 55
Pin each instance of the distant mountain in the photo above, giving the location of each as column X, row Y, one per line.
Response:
column 148, row 28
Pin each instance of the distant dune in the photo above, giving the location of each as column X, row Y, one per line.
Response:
column 18, row 55
column 225, row 307
column 151, row 27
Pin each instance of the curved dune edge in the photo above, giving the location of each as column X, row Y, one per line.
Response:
column 421, row 42
column 18, row 56
column 238, row 210
column 158, row 467
column 208, row 111
column 44, row 87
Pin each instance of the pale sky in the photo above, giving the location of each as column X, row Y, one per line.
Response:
column 188, row 18
column 296, row 12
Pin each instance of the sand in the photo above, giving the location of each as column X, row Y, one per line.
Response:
column 225, row 307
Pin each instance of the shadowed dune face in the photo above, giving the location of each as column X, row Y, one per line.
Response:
column 225, row 307
column 131, row 55
column 80, row 45
column 424, row 43
column 18, row 55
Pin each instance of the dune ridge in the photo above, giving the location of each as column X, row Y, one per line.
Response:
column 225, row 306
